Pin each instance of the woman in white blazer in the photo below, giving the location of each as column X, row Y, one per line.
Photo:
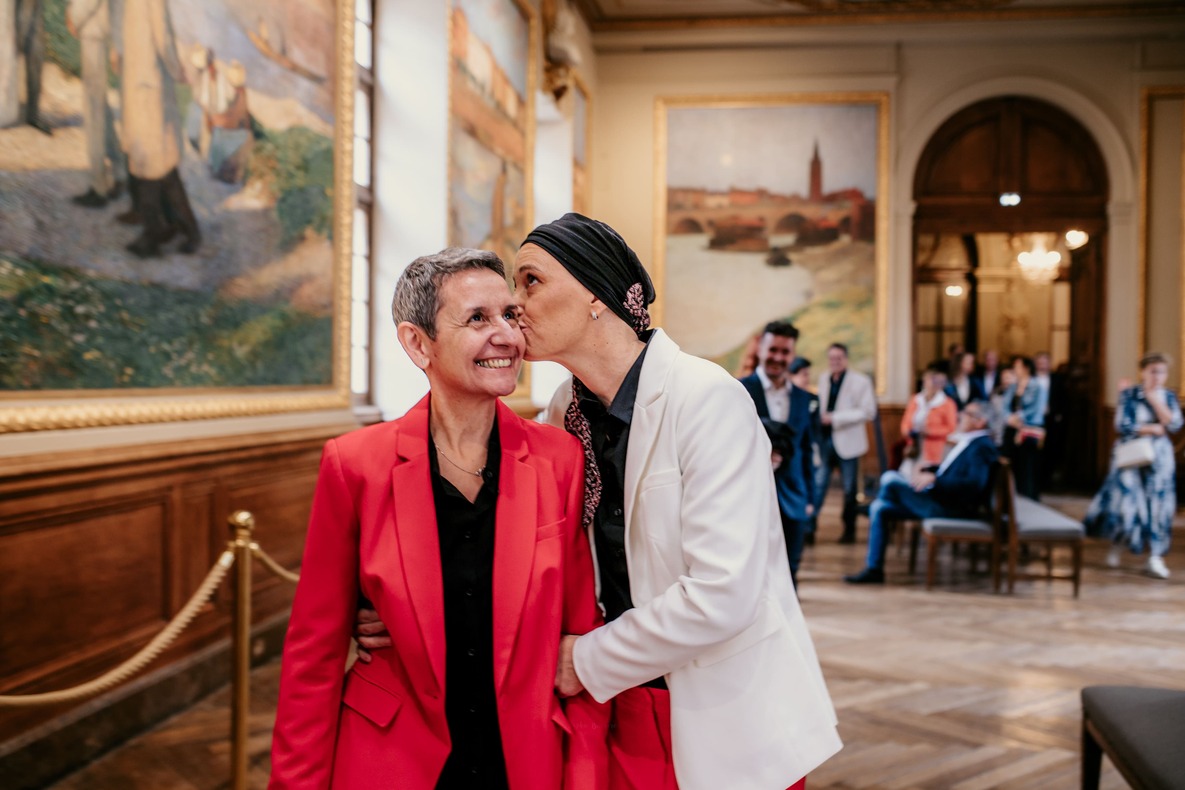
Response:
column 714, row 615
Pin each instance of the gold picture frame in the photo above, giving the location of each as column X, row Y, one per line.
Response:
column 47, row 409
column 581, row 145
column 1149, row 95
column 741, row 230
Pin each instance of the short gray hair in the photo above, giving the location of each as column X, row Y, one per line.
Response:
column 417, row 294
column 986, row 409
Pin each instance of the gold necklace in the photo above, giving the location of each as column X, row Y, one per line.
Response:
column 454, row 463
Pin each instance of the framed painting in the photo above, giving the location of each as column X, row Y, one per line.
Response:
column 494, row 50
column 176, row 198
column 581, row 136
column 773, row 208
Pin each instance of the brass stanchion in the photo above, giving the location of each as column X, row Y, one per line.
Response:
column 242, row 523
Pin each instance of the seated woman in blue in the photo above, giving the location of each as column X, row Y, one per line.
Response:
column 1025, row 403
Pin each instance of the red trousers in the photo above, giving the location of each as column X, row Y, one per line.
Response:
column 640, row 742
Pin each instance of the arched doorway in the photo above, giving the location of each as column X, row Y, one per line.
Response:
column 1006, row 176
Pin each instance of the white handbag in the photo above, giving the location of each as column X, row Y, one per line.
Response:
column 1135, row 453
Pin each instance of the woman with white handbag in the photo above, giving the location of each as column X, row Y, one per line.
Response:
column 1136, row 504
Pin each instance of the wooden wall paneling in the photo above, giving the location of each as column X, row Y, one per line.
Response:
column 196, row 547
column 99, row 551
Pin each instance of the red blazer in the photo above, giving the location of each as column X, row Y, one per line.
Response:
column 373, row 531
column 940, row 422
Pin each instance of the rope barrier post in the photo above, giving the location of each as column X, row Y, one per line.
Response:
column 242, row 524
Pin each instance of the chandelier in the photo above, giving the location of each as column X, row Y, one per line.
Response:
column 1040, row 264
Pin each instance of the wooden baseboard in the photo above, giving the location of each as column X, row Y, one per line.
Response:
column 64, row 744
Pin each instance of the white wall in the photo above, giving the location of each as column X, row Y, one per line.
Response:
column 1093, row 70
column 410, row 175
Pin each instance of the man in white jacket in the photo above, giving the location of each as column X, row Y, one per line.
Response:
column 848, row 404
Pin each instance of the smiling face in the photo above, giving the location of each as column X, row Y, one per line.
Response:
column 554, row 308
column 775, row 353
column 478, row 348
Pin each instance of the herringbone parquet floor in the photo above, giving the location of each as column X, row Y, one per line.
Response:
column 955, row 689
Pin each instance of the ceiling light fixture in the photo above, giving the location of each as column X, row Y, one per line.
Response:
column 1009, row 199
column 1040, row 264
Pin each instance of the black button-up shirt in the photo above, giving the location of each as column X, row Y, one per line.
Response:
column 610, row 430
column 466, row 531
column 832, row 394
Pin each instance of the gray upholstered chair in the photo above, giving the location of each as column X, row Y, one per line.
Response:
column 1033, row 524
column 1142, row 730
column 985, row 530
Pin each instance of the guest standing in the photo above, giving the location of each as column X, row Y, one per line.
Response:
column 790, row 416
column 850, row 406
column 1024, row 432
column 929, row 418
column 1136, row 504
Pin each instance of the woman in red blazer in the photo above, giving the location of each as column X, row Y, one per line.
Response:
column 930, row 417
column 475, row 601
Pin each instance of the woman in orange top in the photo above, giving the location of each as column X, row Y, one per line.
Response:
column 930, row 417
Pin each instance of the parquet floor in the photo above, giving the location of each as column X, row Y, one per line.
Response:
column 955, row 689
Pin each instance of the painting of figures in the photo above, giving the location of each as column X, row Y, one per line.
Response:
column 167, row 183
column 773, row 209
column 491, row 99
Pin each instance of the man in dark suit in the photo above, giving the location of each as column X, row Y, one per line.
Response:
column 791, row 419
column 957, row 487
column 988, row 375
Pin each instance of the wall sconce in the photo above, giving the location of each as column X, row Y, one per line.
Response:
column 1076, row 238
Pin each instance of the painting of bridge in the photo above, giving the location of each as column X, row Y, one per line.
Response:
column 774, row 202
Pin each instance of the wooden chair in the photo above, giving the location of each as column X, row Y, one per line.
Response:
column 1030, row 523
column 987, row 530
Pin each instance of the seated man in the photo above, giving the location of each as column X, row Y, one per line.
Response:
column 957, row 487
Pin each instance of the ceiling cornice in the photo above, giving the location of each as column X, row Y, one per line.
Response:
column 599, row 23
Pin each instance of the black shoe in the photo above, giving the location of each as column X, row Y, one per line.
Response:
column 847, row 539
column 866, row 576
column 41, row 126
column 91, row 199
column 144, row 247
column 190, row 245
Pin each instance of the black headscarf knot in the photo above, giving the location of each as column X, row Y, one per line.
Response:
column 598, row 257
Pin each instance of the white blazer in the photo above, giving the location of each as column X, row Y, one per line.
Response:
column 716, row 613
column 854, row 405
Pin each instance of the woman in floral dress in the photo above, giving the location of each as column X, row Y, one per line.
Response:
column 1136, row 504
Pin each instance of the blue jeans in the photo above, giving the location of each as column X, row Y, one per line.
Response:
column 895, row 500
column 849, row 470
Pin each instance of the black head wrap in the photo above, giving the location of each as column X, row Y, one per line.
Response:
column 602, row 262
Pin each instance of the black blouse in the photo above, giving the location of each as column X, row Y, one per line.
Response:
column 466, row 531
